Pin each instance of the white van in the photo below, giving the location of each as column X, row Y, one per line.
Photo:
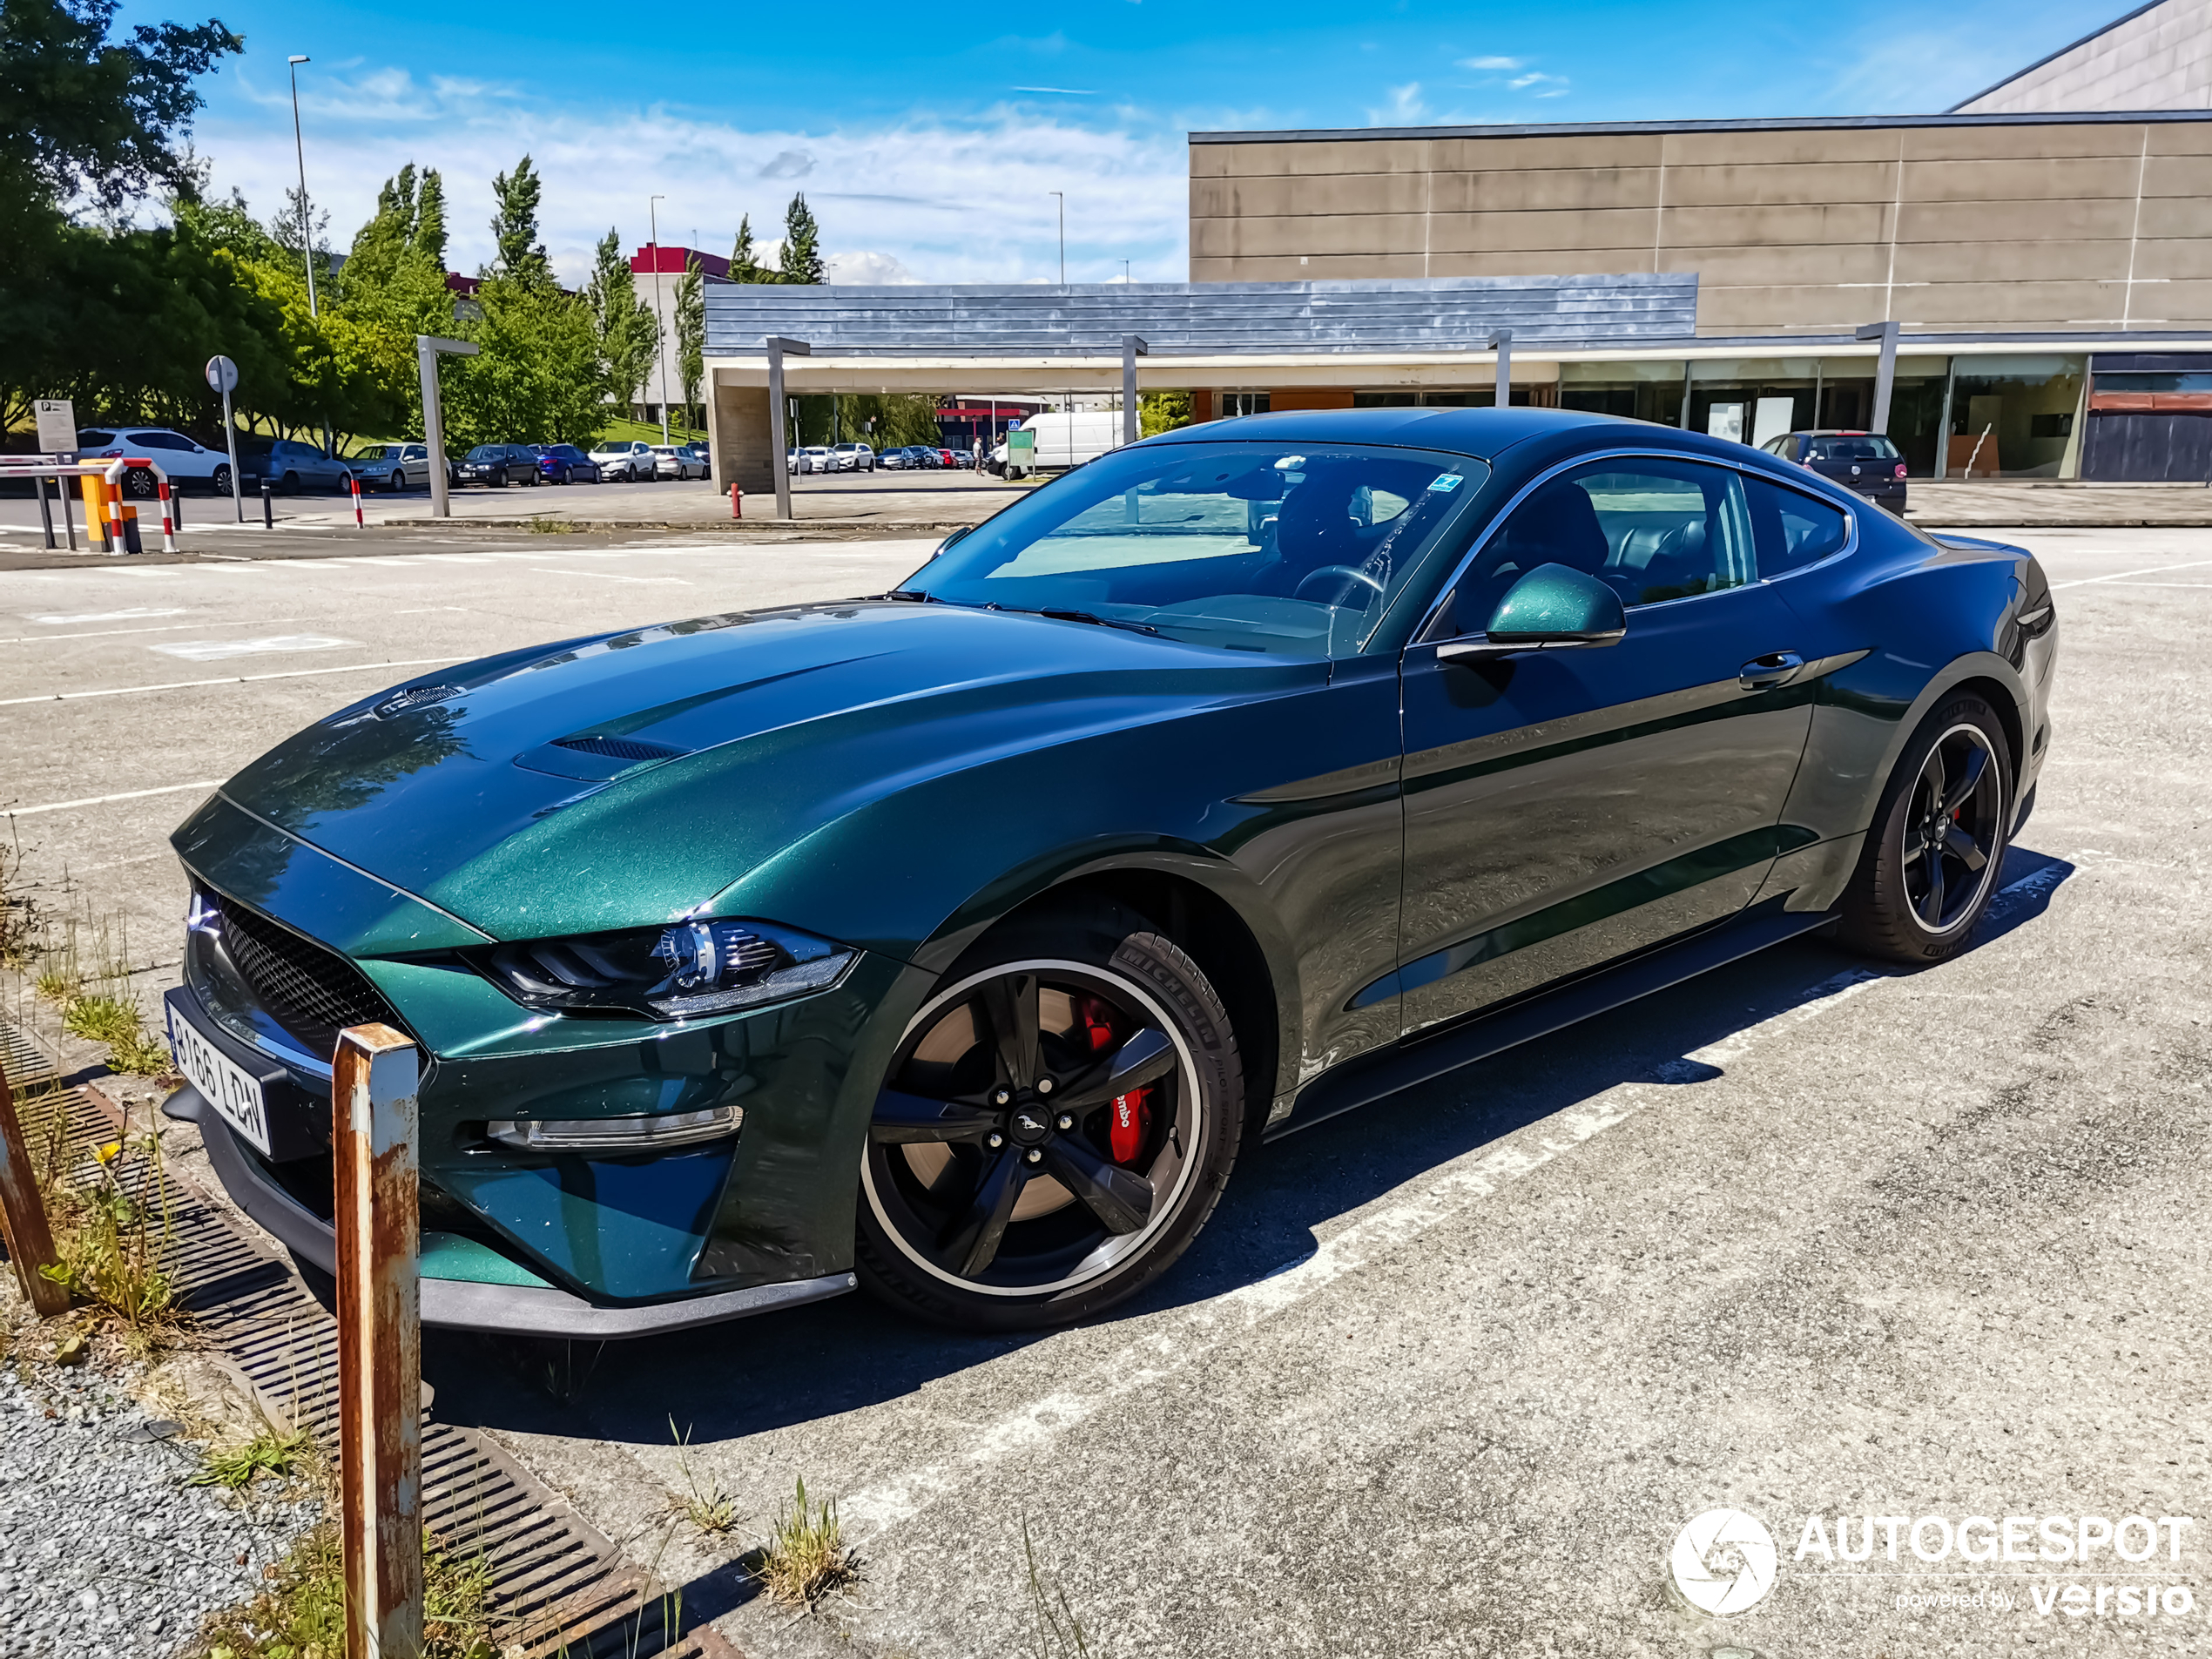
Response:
column 1069, row 440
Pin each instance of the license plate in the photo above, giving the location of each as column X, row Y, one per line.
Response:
column 223, row 1084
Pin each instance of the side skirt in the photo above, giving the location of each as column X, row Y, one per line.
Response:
column 1374, row 1076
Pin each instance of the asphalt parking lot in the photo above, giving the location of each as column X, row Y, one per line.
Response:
column 1808, row 1237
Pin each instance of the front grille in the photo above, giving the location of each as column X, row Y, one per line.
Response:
column 313, row 993
column 618, row 748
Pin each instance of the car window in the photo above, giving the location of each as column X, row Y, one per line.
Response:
column 1793, row 530
column 1249, row 546
column 159, row 441
column 1651, row 529
column 1855, row 446
column 94, row 438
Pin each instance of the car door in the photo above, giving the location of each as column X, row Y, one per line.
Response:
column 1566, row 806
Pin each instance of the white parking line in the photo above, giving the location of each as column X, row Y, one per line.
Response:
column 216, row 651
column 227, row 680
column 161, row 628
column 102, row 800
column 2123, row 575
column 608, row 575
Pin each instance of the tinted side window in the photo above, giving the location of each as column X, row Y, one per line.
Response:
column 1793, row 530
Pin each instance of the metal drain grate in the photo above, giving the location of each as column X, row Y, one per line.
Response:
column 564, row 1590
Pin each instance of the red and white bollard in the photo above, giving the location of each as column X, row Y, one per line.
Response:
column 168, row 518
column 354, row 483
column 736, row 501
column 115, row 543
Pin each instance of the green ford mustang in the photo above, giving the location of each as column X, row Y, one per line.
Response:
column 958, row 940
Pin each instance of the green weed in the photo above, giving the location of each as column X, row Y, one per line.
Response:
column 302, row 1614
column 806, row 1557
column 268, row 1452
column 706, row 1507
column 109, row 1246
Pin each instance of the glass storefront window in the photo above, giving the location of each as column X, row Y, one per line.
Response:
column 2012, row 417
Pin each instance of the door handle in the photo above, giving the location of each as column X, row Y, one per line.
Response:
column 1776, row 668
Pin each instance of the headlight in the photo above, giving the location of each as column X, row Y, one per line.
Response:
column 677, row 972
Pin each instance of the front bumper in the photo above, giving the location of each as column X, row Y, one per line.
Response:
column 518, row 1309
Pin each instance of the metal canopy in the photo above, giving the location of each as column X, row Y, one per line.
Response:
column 1179, row 318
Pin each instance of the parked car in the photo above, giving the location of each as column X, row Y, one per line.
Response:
column 498, row 465
column 738, row 978
column 920, row 457
column 564, row 463
column 289, row 466
column 676, row 461
column 1866, row 462
column 704, row 455
column 816, row 457
column 185, row 461
column 854, row 457
column 626, row 459
column 391, row 466
column 956, row 457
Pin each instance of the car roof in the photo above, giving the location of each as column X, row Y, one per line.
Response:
column 1485, row 432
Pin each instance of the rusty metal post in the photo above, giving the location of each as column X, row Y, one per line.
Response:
column 380, row 1340
column 30, row 1241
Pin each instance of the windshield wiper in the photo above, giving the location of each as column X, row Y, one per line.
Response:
column 1098, row 621
column 914, row 595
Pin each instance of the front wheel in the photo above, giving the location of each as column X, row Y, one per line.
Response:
column 1929, row 869
column 1056, row 1126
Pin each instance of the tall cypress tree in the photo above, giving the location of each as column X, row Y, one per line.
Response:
column 623, row 322
column 744, row 258
column 690, row 330
column 514, row 228
column 801, row 261
column 430, row 233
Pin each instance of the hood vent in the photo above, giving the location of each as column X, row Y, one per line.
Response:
column 414, row 696
column 618, row 748
column 596, row 757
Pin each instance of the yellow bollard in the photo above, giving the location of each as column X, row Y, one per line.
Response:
column 96, row 493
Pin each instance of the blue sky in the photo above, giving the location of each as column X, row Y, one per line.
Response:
column 927, row 149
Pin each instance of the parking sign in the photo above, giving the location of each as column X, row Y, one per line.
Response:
column 56, row 426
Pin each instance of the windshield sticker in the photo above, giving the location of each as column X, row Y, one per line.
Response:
column 1445, row 483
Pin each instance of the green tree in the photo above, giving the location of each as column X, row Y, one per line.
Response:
column 691, row 333
column 521, row 256
column 623, row 321
column 431, row 219
column 887, row 421
column 801, row 259
column 390, row 290
column 1162, row 412
column 86, row 116
column 744, row 258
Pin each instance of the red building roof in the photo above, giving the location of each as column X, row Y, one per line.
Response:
column 670, row 260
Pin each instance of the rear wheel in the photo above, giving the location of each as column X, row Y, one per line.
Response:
column 1930, row 866
column 1056, row 1126
column 219, row 482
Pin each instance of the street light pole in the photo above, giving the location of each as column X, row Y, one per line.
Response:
column 1061, row 196
column 299, row 149
column 660, row 317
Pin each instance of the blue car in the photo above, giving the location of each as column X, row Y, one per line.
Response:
column 564, row 463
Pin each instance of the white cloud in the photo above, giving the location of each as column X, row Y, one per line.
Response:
column 1404, row 109
column 1535, row 79
column 862, row 269
column 941, row 200
column 1492, row 63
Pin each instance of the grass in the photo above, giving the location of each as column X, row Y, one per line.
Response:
column 269, row 1453
column 630, row 431
column 98, row 1006
column 1055, row 1631
column 806, row 1557
column 706, row 1507
column 543, row 526
column 18, row 917
column 108, row 1243
column 302, row 1614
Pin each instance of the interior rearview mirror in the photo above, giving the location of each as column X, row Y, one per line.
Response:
column 1551, row 608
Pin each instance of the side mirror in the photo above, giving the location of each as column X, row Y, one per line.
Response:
column 1549, row 608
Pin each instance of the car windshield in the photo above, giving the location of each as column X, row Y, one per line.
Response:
column 1293, row 549
column 484, row 452
column 1855, row 446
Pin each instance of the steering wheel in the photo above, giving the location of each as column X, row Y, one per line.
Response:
column 1343, row 572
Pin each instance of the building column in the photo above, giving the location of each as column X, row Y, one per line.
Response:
column 737, row 438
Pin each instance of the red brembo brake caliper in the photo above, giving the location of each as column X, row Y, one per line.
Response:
column 1132, row 1113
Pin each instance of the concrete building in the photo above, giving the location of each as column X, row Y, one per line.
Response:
column 2158, row 56
column 657, row 270
column 2050, row 275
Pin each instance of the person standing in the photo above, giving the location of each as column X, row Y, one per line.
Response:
column 975, row 455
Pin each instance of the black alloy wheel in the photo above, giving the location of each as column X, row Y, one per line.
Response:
column 1054, row 1128
column 499, row 479
column 218, row 482
column 564, row 478
column 290, row 483
column 1930, row 867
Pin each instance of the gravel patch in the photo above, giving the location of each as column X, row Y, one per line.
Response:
column 104, row 1550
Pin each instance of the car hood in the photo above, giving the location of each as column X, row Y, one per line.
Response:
column 627, row 778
